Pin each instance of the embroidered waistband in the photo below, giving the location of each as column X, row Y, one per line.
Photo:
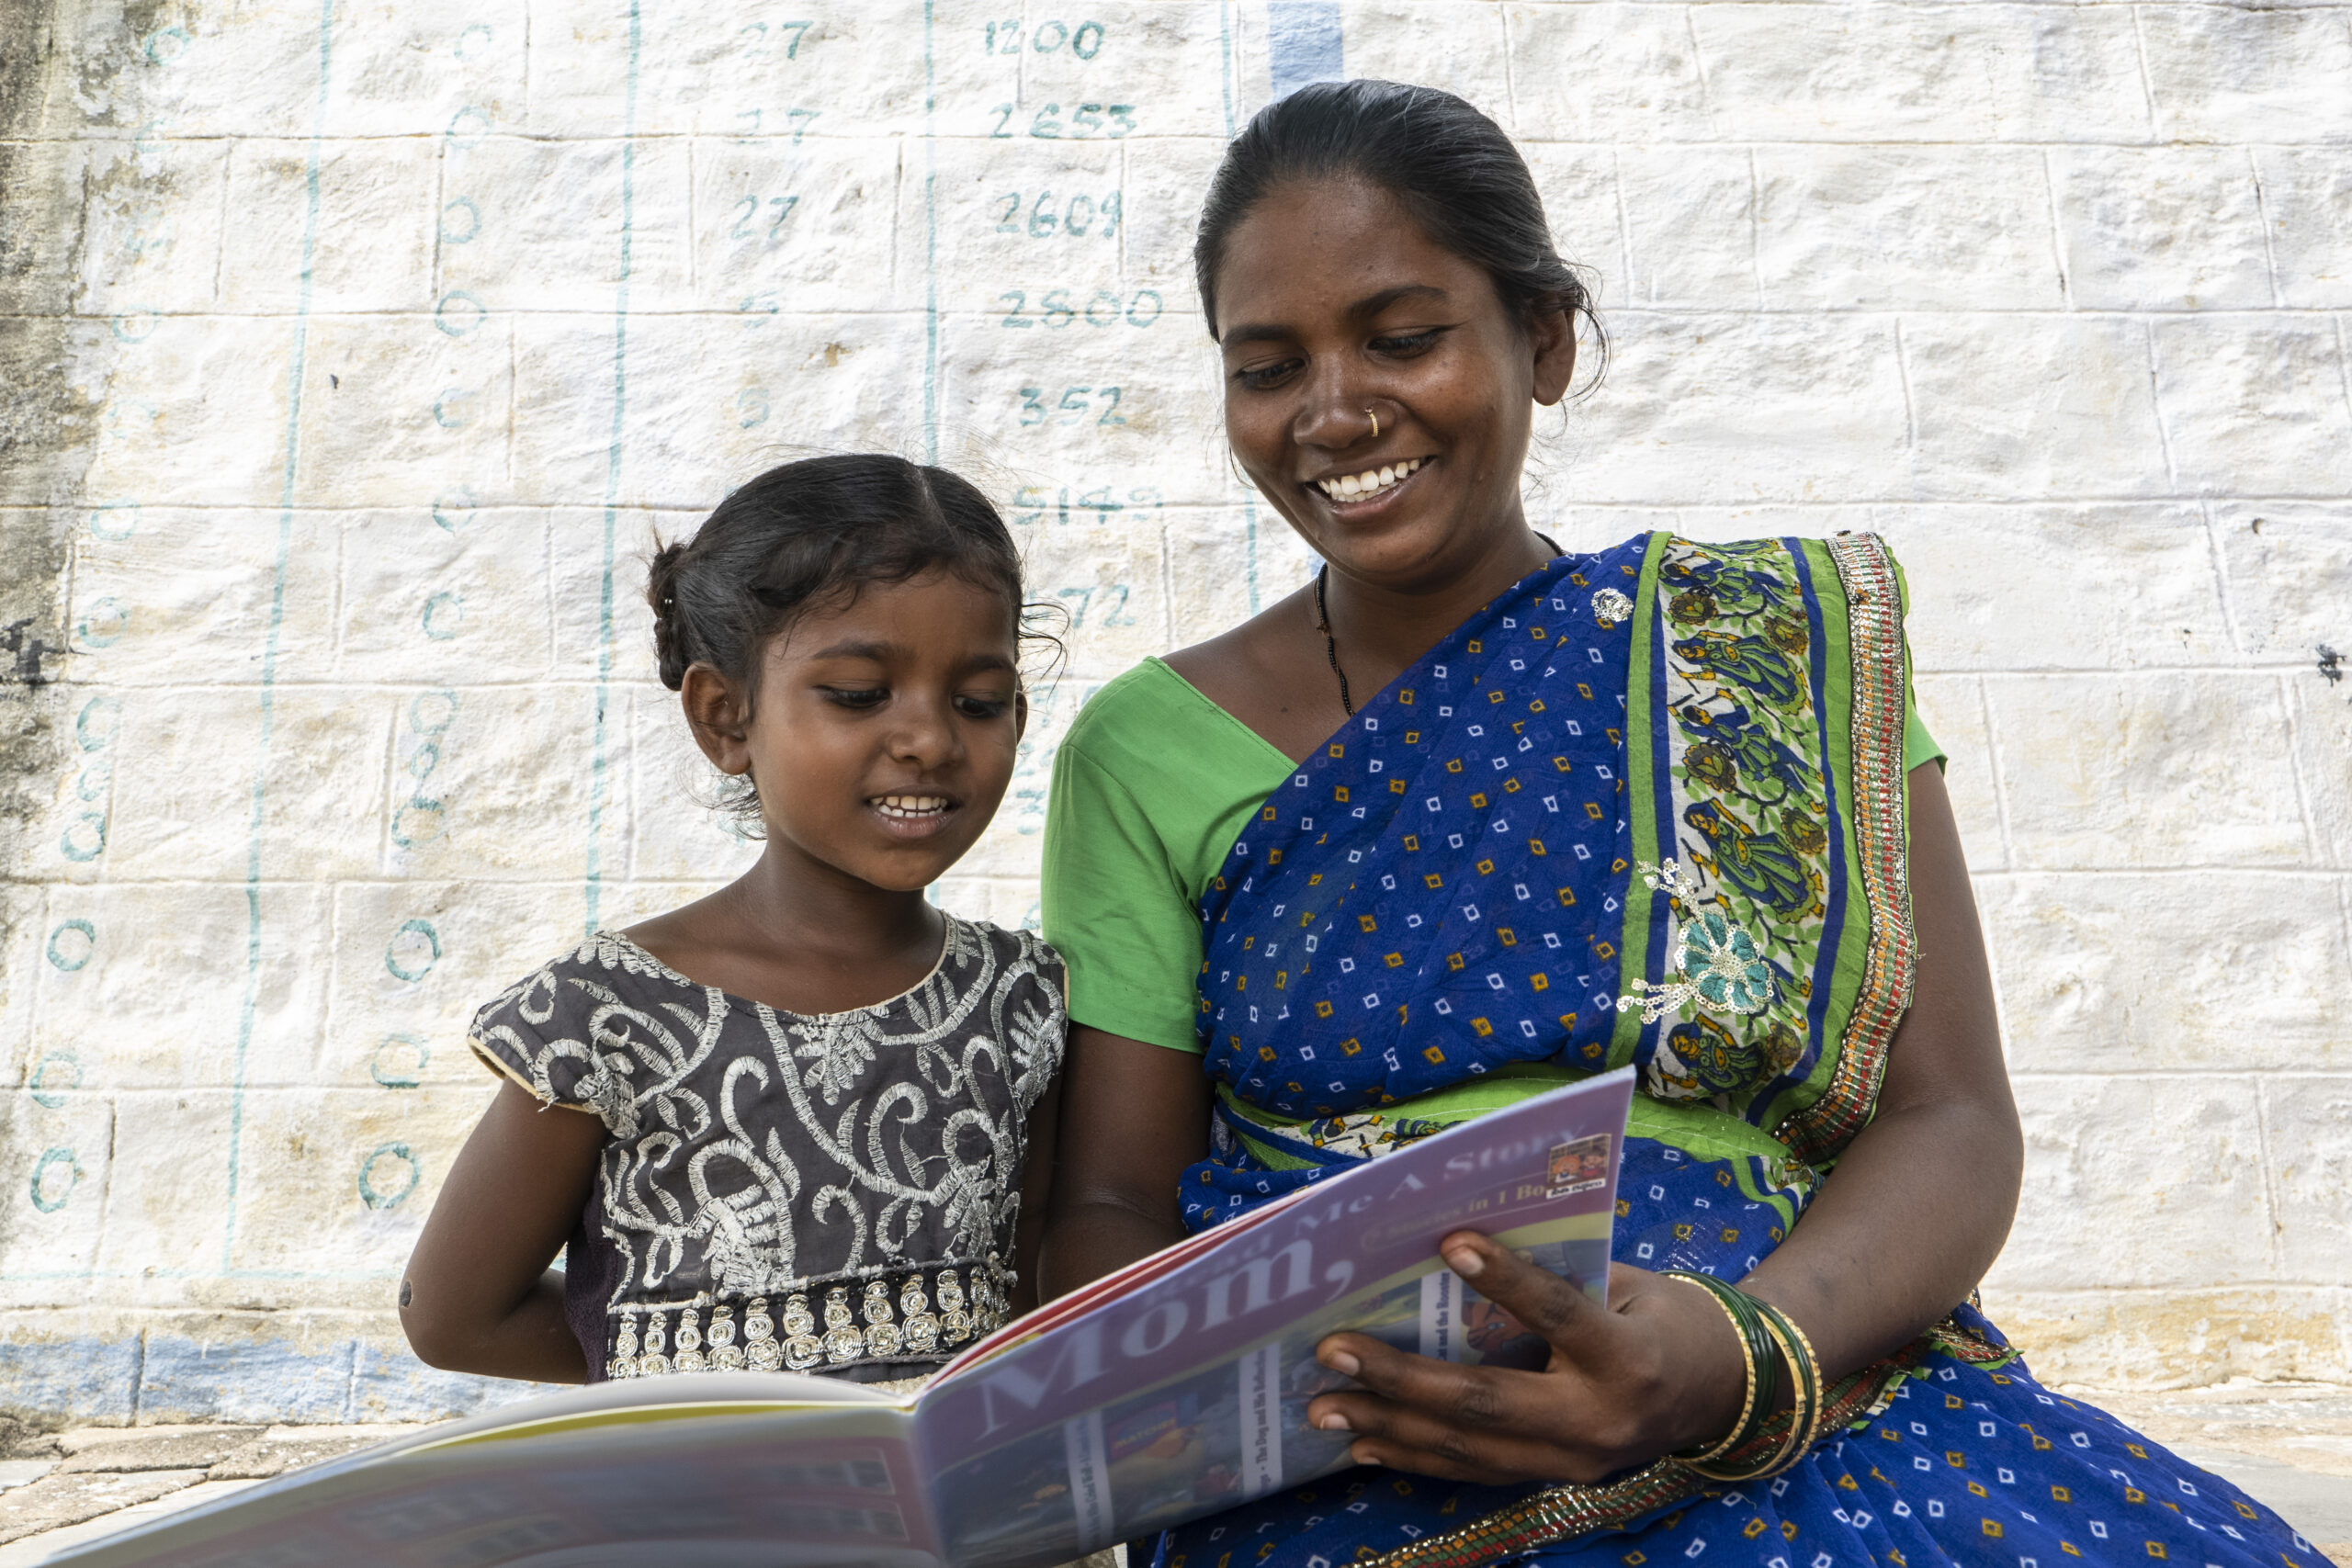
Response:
column 915, row 1315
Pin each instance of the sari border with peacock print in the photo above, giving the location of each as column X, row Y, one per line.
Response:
column 1879, row 663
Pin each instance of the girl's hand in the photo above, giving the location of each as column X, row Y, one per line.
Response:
column 1658, row 1369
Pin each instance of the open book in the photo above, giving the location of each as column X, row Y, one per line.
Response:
column 1172, row 1389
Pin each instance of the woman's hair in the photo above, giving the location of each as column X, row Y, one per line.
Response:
column 811, row 535
column 1448, row 166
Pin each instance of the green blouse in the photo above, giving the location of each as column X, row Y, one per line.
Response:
column 1150, row 788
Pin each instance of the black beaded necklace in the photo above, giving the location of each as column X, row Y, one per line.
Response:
column 1331, row 644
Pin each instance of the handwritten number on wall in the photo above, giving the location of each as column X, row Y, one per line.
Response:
column 1080, row 216
column 747, row 218
column 1074, row 404
column 1085, row 40
column 1086, row 121
column 1105, row 308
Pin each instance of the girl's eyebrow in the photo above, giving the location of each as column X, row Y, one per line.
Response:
column 857, row 648
column 882, row 652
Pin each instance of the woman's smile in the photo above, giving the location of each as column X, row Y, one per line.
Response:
column 1365, row 493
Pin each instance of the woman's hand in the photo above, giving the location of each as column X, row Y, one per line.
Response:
column 1658, row 1369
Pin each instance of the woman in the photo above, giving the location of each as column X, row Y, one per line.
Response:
column 1468, row 817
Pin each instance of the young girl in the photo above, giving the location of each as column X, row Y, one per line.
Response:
column 784, row 1126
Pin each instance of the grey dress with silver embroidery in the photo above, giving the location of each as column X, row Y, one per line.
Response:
column 832, row 1194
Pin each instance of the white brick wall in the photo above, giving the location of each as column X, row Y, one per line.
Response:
column 354, row 350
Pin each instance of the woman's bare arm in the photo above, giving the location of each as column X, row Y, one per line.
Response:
column 1038, row 1182
column 1920, row 1202
column 478, row 1295
column 1133, row 1116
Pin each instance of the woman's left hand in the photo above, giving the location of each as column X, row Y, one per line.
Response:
column 1658, row 1369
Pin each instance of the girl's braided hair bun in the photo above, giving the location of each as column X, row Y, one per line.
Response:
column 817, row 532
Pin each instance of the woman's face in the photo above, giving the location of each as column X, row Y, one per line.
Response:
column 1336, row 309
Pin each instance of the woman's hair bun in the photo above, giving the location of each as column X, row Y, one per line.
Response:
column 1448, row 166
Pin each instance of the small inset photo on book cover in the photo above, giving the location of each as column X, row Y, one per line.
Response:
column 1578, row 1166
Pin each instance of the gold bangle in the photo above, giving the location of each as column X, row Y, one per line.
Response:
column 1747, row 1354
column 1804, row 1374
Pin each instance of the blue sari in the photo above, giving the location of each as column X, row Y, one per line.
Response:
column 1646, row 809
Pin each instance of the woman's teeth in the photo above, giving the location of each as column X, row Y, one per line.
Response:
column 1371, row 481
column 911, row 805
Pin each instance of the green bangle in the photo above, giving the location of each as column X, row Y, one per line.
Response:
column 1761, row 1356
column 1805, row 1412
column 1783, row 1341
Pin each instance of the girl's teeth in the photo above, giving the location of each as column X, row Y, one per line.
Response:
column 911, row 805
column 1349, row 487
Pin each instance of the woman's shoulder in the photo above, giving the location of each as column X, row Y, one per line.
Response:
column 1131, row 709
column 1152, row 726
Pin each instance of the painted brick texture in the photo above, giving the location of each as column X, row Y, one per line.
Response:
column 353, row 353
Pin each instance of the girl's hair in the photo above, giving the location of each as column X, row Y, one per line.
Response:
column 1447, row 165
column 810, row 535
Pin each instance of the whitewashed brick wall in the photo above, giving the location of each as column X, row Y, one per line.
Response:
column 352, row 352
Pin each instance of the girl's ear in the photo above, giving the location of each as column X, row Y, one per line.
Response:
column 720, row 713
column 1019, row 714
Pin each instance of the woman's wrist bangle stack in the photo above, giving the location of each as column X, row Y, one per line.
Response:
column 1767, row 1338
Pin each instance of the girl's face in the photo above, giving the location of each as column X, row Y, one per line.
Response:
column 1336, row 309
column 882, row 732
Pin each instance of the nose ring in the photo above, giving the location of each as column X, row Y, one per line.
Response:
column 1375, row 421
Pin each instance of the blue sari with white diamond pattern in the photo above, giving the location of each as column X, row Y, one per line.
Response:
column 1645, row 808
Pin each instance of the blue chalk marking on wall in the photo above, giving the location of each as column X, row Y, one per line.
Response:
column 50, row 1189
column 388, row 1176
column 1225, row 51
column 598, row 764
column 58, row 1075
column 1303, row 43
column 114, row 521
column 414, row 950
column 71, row 943
column 442, row 614
column 107, row 712
column 294, row 374
column 399, row 1060
column 931, row 248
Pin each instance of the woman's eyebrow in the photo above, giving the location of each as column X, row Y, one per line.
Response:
column 1372, row 304
column 1362, row 310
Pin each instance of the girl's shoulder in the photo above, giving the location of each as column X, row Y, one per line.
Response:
column 981, row 953
column 605, row 967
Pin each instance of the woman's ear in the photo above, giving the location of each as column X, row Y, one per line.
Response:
column 718, row 711
column 1552, row 336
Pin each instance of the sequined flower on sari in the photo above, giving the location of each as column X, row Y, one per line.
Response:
column 1720, row 963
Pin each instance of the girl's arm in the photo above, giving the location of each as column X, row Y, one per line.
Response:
column 1912, row 1217
column 1134, row 1116
column 478, row 1295
column 1036, row 1188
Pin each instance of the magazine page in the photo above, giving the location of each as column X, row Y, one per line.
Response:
column 1186, row 1393
column 688, row 1470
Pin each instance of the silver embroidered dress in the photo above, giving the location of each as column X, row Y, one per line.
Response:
column 831, row 1193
